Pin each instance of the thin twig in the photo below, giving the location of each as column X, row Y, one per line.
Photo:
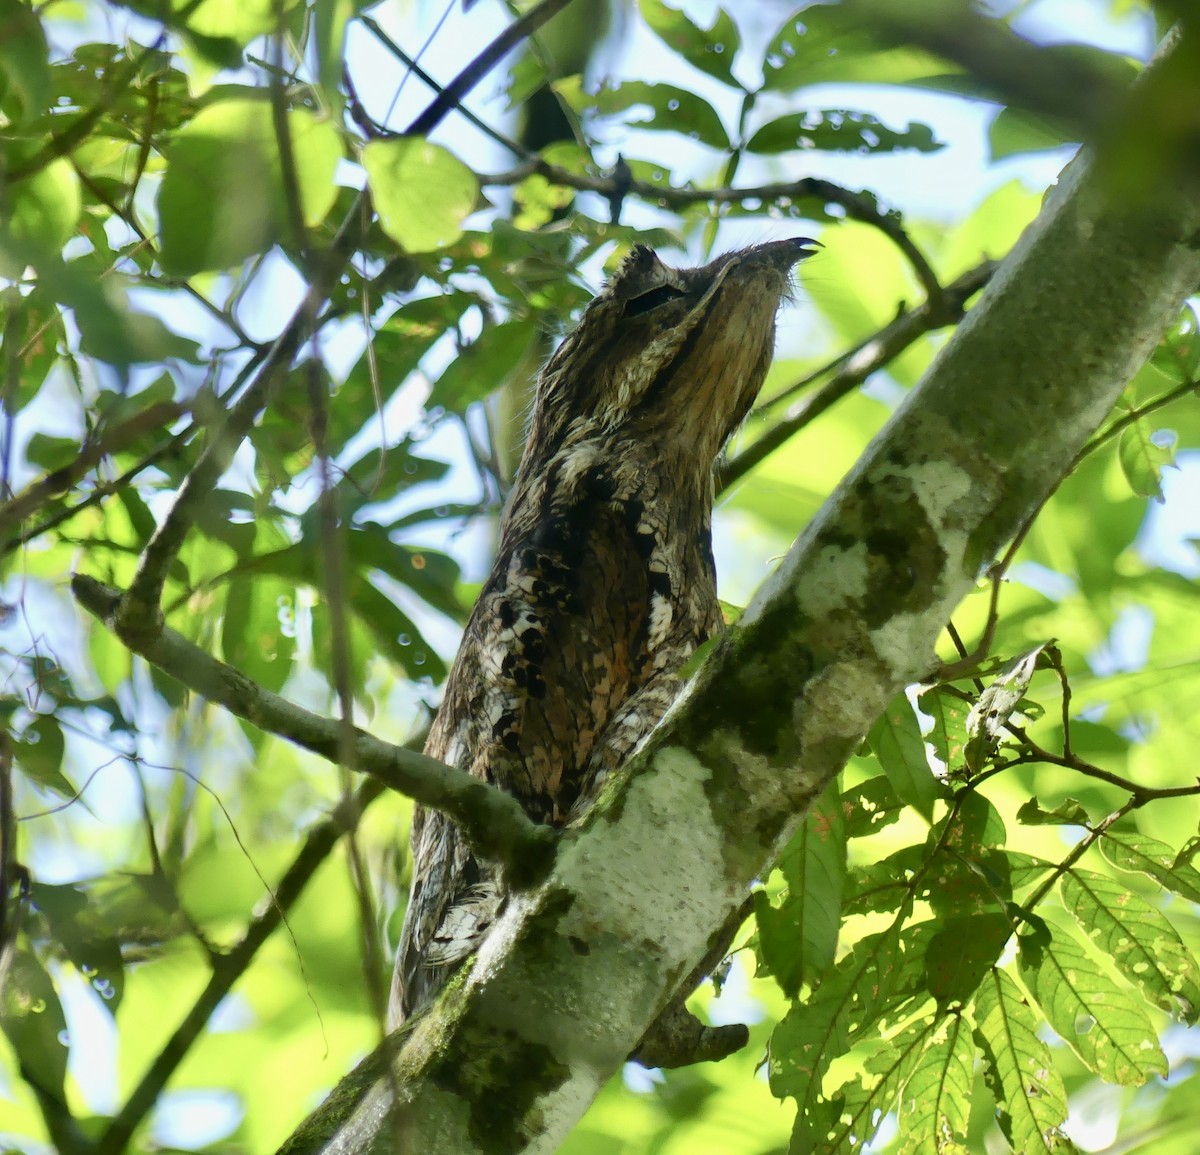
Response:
column 858, row 206
column 492, row 821
column 91, row 453
column 228, row 968
column 372, row 128
column 452, row 95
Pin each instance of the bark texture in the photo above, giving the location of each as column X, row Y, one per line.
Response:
column 561, row 991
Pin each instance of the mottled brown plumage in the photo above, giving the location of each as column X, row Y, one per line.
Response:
column 603, row 584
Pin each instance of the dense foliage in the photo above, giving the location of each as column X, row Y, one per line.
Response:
column 266, row 348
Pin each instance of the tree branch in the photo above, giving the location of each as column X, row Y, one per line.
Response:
column 858, row 206
column 229, row 967
column 493, row 821
column 452, row 95
column 97, row 447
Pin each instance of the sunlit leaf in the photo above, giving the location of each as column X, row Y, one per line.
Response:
column 422, row 192
column 40, row 214
column 863, row 1103
column 1143, row 458
column 711, row 49
column 223, row 195
column 798, row 938
column 996, row 705
column 1131, row 850
column 935, row 1105
column 1020, row 1071
column 897, row 742
column 1138, row 939
column 1103, row 1022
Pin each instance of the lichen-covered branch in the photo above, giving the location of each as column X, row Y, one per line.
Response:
column 574, row 971
column 493, row 822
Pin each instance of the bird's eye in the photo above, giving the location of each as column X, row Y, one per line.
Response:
column 643, row 303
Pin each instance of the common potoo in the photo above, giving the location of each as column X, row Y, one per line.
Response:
column 603, row 584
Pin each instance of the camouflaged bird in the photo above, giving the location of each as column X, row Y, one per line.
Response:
column 604, row 583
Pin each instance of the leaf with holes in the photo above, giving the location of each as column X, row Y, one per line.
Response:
column 840, row 130
column 1142, row 944
column 996, row 706
column 1028, row 1090
column 798, row 938
column 870, row 806
column 671, row 109
column 711, row 50
column 862, row 1107
column 935, row 1105
column 1129, row 850
column 881, row 972
column 1105, row 1026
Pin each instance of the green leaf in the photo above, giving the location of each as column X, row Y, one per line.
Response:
column 825, row 43
column 935, row 1105
column 1178, row 353
column 51, row 453
column 881, row 971
column 1066, row 813
column 840, row 129
column 223, row 197
column 257, row 631
column 884, row 885
column 1130, row 850
column 32, row 1018
column 482, row 366
column 674, row 110
column 1014, row 131
column 39, row 752
column 1105, row 1026
column 897, row 742
column 962, row 952
column 798, row 938
column 1142, row 460
column 870, row 806
column 711, row 50
column 422, row 192
column 73, row 922
column 24, row 71
column 948, row 737
column 1137, row 937
column 996, row 705
column 862, row 1107
column 1021, row 1074
column 40, row 215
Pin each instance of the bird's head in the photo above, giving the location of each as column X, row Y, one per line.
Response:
column 673, row 357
